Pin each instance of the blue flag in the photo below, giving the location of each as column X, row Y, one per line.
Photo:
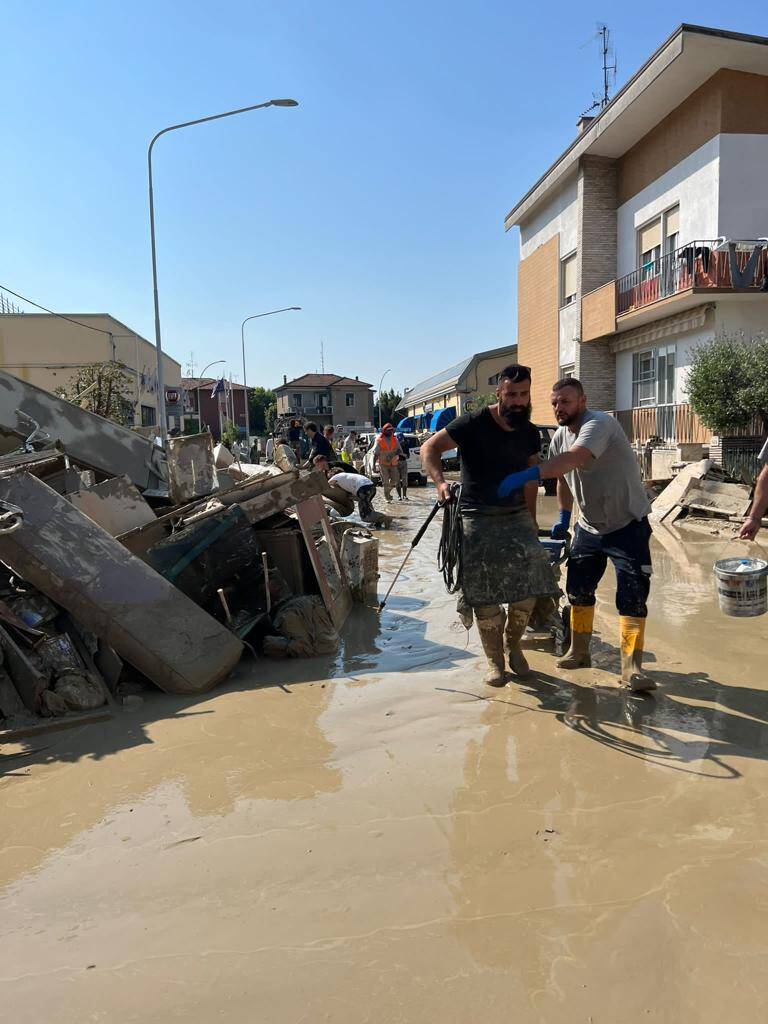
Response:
column 218, row 388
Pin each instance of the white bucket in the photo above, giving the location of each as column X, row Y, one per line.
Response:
column 742, row 586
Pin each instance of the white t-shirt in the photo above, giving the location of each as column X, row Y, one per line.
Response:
column 350, row 482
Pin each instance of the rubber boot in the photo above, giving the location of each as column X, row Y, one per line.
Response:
column 492, row 639
column 577, row 655
column 517, row 619
column 632, row 639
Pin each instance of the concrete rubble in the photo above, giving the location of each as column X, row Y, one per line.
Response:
column 124, row 565
column 701, row 491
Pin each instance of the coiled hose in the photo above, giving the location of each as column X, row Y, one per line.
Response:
column 449, row 550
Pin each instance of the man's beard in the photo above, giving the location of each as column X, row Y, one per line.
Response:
column 566, row 419
column 517, row 416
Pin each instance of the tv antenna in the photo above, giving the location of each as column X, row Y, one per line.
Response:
column 322, row 356
column 190, row 371
column 610, row 66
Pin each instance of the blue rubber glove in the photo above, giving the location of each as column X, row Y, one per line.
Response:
column 560, row 530
column 516, row 481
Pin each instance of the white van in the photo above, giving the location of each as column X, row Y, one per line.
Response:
column 411, row 446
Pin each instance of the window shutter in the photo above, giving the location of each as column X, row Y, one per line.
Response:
column 569, row 276
column 650, row 236
column 673, row 221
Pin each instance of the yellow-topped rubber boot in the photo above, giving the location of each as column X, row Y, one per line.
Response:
column 492, row 638
column 582, row 621
column 632, row 641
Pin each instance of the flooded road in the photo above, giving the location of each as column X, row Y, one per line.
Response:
column 376, row 836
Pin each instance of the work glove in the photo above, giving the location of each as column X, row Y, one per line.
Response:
column 516, row 481
column 560, row 529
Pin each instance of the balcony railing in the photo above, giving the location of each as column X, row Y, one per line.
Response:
column 673, row 423
column 697, row 265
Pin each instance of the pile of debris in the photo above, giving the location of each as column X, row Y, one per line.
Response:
column 701, row 490
column 124, row 561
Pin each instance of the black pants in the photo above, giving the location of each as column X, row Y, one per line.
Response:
column 630, row 553
column 365, row 498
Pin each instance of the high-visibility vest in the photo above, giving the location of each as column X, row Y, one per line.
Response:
column 388, row 450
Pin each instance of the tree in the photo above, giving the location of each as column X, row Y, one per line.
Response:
column 728, row 382
column 103, row 388
column 262, row 409
column 481, row 401
column 388, row 400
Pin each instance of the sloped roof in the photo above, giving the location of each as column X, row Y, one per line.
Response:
column 322, row 380
column 448, row 378
column 195, row 383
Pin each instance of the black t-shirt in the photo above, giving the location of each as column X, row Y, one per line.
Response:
column 488, row 454
column 322, row 446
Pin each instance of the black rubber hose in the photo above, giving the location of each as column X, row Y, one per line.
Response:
column 449, row 550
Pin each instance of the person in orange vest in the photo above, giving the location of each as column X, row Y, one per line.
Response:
column 387, row 452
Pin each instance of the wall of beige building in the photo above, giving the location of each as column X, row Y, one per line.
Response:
column 47, row 351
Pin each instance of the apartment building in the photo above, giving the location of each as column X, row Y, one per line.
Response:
column 48, row 350
column 649, row 234
column 453, row 391
column 326, row 398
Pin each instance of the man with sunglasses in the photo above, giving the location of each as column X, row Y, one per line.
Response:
column 502, row 561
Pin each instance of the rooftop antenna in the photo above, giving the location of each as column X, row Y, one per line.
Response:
column 610, row 66
column 322, row 356
column 190, row 371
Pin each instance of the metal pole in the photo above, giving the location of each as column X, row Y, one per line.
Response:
column 158, row 341
column 255, row 316
column 380, row 383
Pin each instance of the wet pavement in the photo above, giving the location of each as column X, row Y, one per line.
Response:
column 375, row 836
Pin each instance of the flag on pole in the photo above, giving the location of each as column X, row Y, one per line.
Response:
column 218, row 388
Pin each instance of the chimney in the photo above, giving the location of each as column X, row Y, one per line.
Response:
column 584, row 122
column 285, row 378
column 356, row 377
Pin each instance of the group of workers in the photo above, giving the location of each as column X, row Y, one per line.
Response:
column 503, row 562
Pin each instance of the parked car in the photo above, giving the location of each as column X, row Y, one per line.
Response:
column 411, row 446
column 546, row 434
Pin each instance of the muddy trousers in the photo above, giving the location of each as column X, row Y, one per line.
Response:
column 365, row 498
column 389, row 477
column 629, row 551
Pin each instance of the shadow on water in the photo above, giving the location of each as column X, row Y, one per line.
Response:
column 692, row 719
column 371, row 645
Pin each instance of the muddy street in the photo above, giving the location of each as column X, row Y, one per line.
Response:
column 376, row 836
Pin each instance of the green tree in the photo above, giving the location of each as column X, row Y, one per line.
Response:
column 481, row 401
column 388, row 400
column 103, row 388
column 262, row 409
column 728, row 382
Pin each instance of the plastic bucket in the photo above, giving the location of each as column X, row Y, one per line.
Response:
column 742, row 586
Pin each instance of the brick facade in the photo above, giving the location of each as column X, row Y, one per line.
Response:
column 597, row 240
column 538, row 300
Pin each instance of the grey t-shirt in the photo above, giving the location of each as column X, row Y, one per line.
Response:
column 609, row 489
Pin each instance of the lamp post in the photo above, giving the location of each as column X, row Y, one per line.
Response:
column 380, row 383
column 164, row 131
column 286, row 309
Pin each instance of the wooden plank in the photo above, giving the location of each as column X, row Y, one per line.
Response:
column 311, row 513
column 115, row 505
column 28, row 679
column 147, row 620
column 44, row 725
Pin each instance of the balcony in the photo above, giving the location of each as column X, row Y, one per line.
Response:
column 673, row 283
column 672, row 423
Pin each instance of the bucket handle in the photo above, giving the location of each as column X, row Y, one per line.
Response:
column 733, row 540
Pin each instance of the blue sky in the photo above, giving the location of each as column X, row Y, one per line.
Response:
column 377, row 205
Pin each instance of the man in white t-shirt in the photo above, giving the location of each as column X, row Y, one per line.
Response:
column 356, row 484
column 759, row 502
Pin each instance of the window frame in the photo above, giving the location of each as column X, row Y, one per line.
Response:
column 568, row 300
column 347, row 396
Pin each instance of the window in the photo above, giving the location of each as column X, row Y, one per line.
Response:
column 568, row 280
column 672, row 229
column 494, row 380
column 323, row 402
column 567, row 371
column 350, row 423
column 649, row 246
column 148, row 416
column 653, row 377
column 297, row 400
column 349, row 399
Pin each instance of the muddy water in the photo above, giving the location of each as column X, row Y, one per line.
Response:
column 376, row 837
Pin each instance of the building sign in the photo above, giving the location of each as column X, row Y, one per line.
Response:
column 171, row 396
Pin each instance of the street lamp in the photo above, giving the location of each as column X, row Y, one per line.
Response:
column 164, row 131
column 255, row 316
column 380, row 383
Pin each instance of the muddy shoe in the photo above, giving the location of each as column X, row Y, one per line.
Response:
column 492, row 638
column 578, row 656
column 517, row 620
column 632, row 641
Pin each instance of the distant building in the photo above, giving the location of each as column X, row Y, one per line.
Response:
column 454, row 391
column 647, row 235
column 201, row 407
column 326, row 398
column 47, row 351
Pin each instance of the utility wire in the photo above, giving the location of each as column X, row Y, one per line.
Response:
column 89, row 327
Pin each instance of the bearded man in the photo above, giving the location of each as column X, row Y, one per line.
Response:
column 502, row 559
